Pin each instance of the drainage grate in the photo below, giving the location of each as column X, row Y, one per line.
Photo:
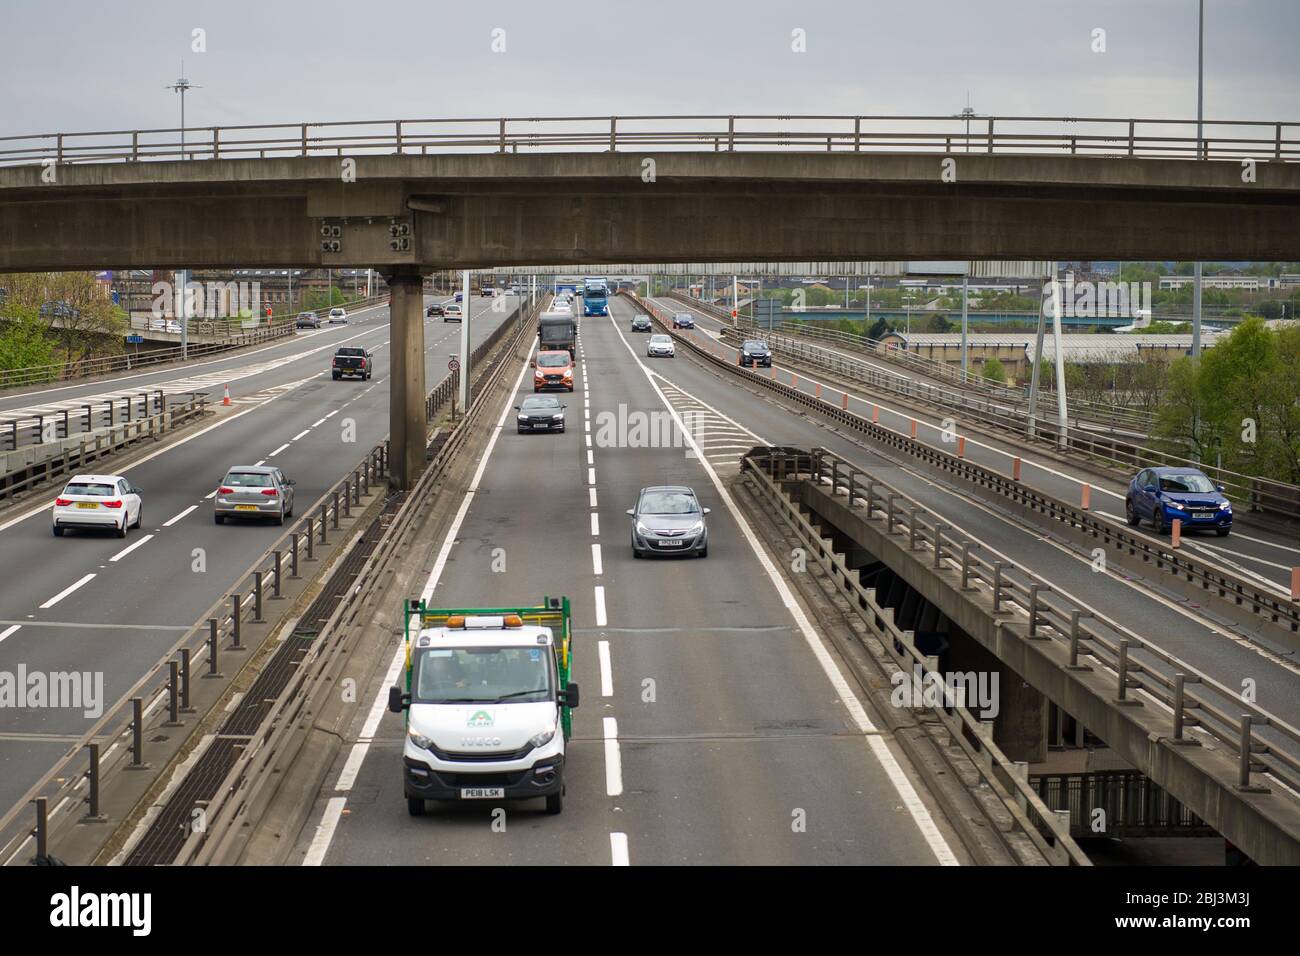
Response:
column 167, row 834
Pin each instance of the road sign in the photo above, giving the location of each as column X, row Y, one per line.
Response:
column 134, row 339
column 453, row 364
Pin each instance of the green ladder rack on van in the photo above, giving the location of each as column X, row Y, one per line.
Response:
column 552, row 612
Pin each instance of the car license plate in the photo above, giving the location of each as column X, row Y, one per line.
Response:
column 245, row 507
column 670, row 544
column 87, row 504
column 482, row 793
column 1203, row 515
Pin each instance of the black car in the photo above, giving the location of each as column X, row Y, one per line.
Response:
column 641, row 323
column 352, row 360
column 755, row 353
column 433, row 310
column 540, row 413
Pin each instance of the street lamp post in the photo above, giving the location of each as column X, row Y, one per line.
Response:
column 1200, row 154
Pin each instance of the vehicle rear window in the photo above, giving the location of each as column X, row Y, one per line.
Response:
column 668, row 503
column 350, row 350
column 247, row 479
column 88, row 488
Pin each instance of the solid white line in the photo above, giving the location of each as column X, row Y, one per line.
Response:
column 305, row 431
column 875, row 742
column 601, row 619
column 171, row 521
column 278, row 450
column 618, row 849
column 9, row 630
column 65, row 592
column 595, row 525
column 595, row 559
column 125, row 551
column 592, row 493
column 613, row 760
column 320, row 843
column 606, row 670
column 591, row 476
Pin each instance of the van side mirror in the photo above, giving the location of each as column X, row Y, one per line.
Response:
column 397, row 700
column 570, row 697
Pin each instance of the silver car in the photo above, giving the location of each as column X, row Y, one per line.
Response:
column 659, row 345
column 668, row 519
column 252, row 491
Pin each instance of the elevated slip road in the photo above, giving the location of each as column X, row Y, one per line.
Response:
column 89, row 602
column 712, row 720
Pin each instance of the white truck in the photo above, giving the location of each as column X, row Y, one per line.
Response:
column 488, row 703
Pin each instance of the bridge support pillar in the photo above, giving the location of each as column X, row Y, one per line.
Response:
column 1020, row 726
column 406, row 419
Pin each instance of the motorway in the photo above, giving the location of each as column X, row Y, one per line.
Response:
column 1263, row 553
column 715, row 726
column 89, row 602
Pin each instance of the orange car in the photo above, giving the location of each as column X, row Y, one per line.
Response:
column 553, row 370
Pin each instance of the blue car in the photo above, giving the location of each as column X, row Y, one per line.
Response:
column 1163, row 494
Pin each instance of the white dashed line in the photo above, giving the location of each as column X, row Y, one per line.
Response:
column 125, row 551
column 278, row 450
column 606, row 670
column 595, row 560
column 65, row 592
column 9, row 630
column 305, row 431
column 618, row 849
column 171, row 521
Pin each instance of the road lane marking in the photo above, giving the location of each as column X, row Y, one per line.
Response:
column 320, row 842
column 305, row 431
column 595, row 560
column 595, row 525
column 591, row 476
column 171, row 521
column 9, row 630
column 606, row 670
column 278, row 450
column 875, row 742
column 125, row 551
column 601, row 620
column 613, row 759
column 319, row 421
column 618, row 849
column 66, row 591
column 590, row 457
column 592, row 492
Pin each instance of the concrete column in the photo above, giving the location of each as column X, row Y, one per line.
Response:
column 406, row 390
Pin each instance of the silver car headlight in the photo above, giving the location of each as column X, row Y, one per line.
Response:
column 421, row 741
column 557, row 416
column 523, row 418
column 642, row 529
column 543, row 738
column 695, row 528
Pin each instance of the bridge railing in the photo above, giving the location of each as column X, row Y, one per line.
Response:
column 1032, row 135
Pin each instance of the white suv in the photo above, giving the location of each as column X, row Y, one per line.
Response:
column 338, row 316
column 98, row 501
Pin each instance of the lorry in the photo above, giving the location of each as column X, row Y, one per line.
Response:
column 489, row 702
column 595, row 297
column 557, row 331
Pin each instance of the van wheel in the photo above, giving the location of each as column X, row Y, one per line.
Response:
column 415, row 806
column 555, row 802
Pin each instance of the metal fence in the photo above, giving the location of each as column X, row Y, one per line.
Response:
column 1015, row 135
column 1131, row 803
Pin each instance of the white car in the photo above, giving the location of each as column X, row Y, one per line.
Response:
column 338, row 316
column 659, row 346
column 98, row 501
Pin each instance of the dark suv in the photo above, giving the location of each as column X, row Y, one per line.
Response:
column 754, row 353
column 352, row 360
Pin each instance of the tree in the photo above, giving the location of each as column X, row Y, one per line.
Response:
column 936, row 322
column 23, row 343
column 994, row 372
column 878, row 328
column 74, row 308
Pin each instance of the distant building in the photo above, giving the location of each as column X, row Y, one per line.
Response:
column 1248, row 283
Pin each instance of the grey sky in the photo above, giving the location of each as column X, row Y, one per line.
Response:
column 87, row 64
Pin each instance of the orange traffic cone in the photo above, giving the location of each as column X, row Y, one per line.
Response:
column 226, row 399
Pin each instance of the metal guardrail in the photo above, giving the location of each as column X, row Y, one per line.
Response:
column 1194, row 699
column 1009, row 780
column 1083, row 438
column 1133, row 804
column 119, row 435
column 254, row 768
column 281, row 327
column 1017, row 135
column 117, row 739
column 1109, row 415
column 1267, row 603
